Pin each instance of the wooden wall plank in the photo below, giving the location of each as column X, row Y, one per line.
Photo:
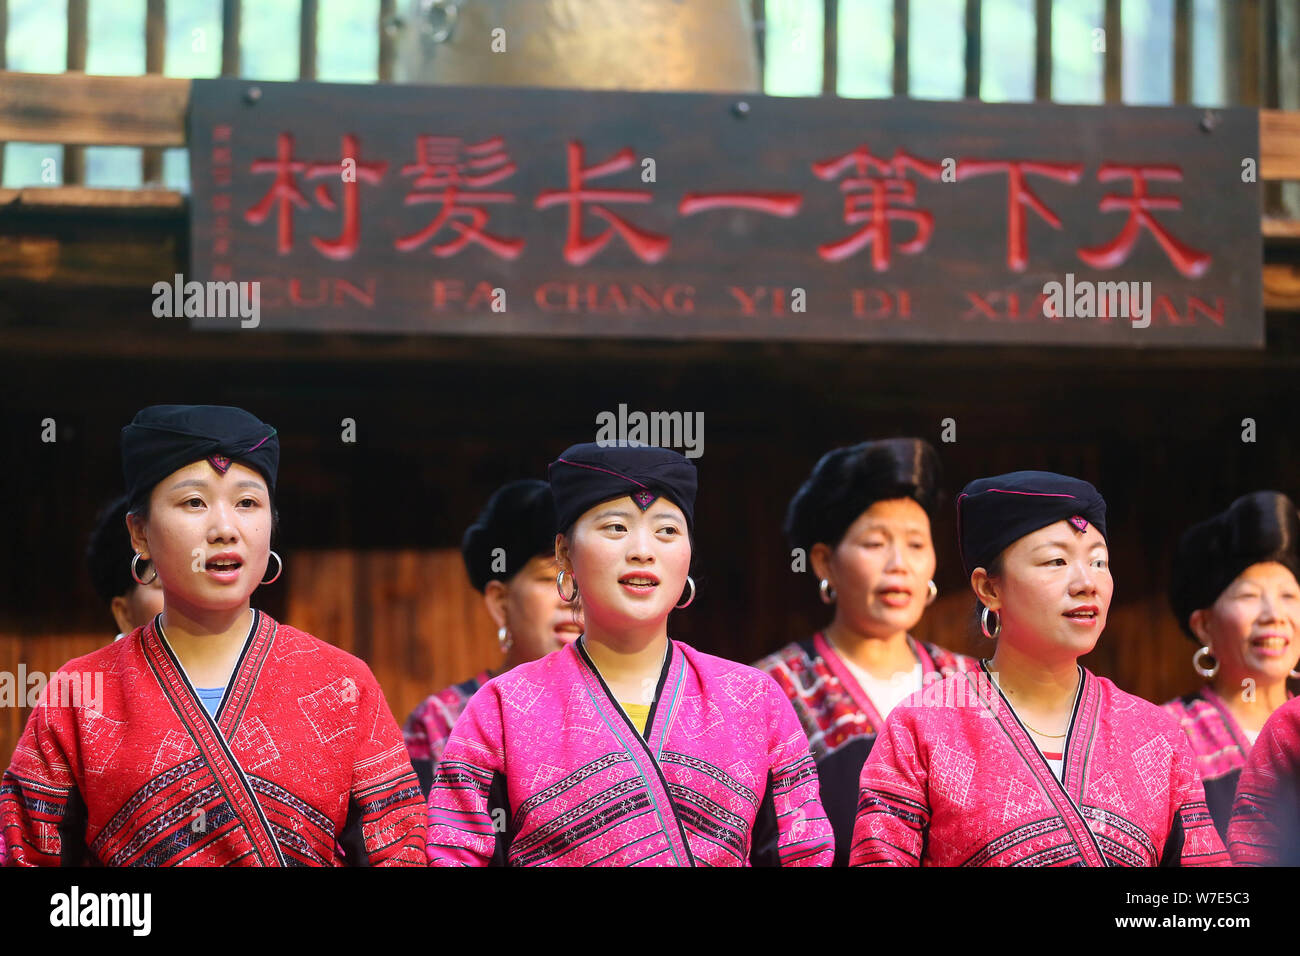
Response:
column 1282, row 282
column 1279, row 144
column 28, row 654
column 93, row 110
column 411, row 614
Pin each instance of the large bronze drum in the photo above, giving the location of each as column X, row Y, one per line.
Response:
column 702, row 45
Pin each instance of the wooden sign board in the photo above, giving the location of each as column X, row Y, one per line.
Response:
column 523, row 212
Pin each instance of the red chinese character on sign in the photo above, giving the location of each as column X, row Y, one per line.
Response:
column 579, row 250
column 876, row 200
column 284, row 194
column 1190, row 262
column 346, row 243
column 1020, row 195
column 784, row 205
column 441, row 165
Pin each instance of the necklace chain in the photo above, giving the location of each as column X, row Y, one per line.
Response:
column 1022, row 719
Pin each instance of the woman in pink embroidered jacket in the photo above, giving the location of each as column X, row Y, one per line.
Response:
column 1235, row 594
column 1033, row 760
column 509, row 553
column 627, row 748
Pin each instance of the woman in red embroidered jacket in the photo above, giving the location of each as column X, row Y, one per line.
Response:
column 1033, row 760
column 626, row 748
column 862, row 519
column 1235, row 594
column 509, row 554
column 211, row 735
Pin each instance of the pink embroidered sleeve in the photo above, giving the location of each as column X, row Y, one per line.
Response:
column 893, row 799
column 804, row 835
column 1201, row 845
column 467, row 812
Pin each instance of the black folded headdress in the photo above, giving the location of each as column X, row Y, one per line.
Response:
column 162, row 439
column 519, row 519
column 848, row 481
column 108, row 555
column 995, row 512
column 1258, row 527
column 586, row 475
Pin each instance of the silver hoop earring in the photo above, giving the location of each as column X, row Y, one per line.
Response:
column 135, row 573
column 690, row 600
column 559, row 586
column 1198, row 663
column 503, row 639
column 1293, row 675
column 984, row 623
column 279, row 569
column 934, row 593
column 826, row 592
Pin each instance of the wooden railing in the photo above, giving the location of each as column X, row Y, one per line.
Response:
column 1252, row 48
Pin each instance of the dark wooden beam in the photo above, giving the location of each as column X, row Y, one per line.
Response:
column 4, row 35
column 1241, row 52
column 93, row 110
column 230, row 18
column 387, row 41
column 830, row 47
column 307, row 22
column 901, row 82
column 973, row 49
column 89, row 200
column 74, row 157
column 1182, row 51
column 155, row 54
column 1043, row 49
column 1114, row 68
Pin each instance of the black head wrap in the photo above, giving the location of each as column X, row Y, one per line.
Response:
column 164, row 438
column 519, row 519
column 992, row 513
column 586, row 475
column 848, row 481
column 1258, row 527
column 108, row 556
